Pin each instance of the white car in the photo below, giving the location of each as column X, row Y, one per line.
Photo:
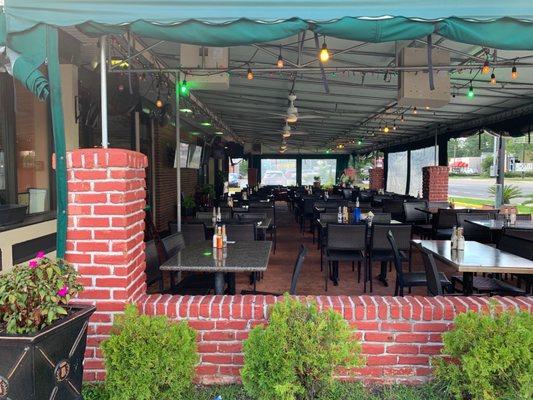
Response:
column 274, row 178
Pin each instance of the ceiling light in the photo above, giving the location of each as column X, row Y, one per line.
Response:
column 394, row 127
column 486, row 67
column 402, row 118
column 292, row 118
column 219, row 133
column 250, row 74
column 415, row 111
column 386, row 129
column 470, row 93
column 186, row 110
column 205, row 123
column 159, row 103
column 280, row 62
column 514, row 73
column 195, row 133
column 493, row 79
column 324, row 52
column 286, row 131
column 359, row 142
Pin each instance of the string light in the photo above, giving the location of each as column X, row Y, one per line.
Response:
column 470, row 93
column 280, row 62
column 386, row 129
column 159, row 103
column 324, row 52
column 486, row 68
column 394, row 127
column 493, row 78
column 184, row 88
column 514, row 73
column 249, row 74
column 415, row 111
column 402, row 118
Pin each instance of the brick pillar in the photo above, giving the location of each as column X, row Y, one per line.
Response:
column 105, row 238
column 377, row 178
column 435, row 183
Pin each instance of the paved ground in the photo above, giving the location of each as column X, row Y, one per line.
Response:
column 478, row 188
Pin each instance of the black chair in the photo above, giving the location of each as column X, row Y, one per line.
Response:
column 472, row 231
column 193, row 233
column 172, row 244
column 325, row 218
column 381, row 250
column 241, row 232
column 298, row 265
column 347, row 194
column 394, row 207
column 437, row 282
column 251, row 216
column 344, row 243
column 153, row 273
column 413, row 279
column 307, row 213
column 413, row 215
column 381, row 218
column 443, row 223
column 516, row 245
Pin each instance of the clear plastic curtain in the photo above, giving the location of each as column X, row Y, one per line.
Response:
column 397, row 172
column 420, row 158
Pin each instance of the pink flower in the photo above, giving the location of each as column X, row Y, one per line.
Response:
column 63, row 291
column 33, row 264
column 40, row 255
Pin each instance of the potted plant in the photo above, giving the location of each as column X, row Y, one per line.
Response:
column 42, row 336
column 188, row 206
column 316, row 183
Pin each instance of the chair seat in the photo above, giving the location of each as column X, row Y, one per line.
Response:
column 491, row 285
column 387, row 255
column 344, row 255
column 419, row 279
column 423, row 229
column 194, row 284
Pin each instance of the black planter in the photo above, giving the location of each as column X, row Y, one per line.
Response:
column 46, row 365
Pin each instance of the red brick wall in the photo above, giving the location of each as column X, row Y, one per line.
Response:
column 105, row 243
column 377, row 178
column 435, row 183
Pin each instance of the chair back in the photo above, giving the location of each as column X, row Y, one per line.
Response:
column 393, row 206
column 328, row 217
column 411, row 214
column 347, row 194
column 204, row 215
column 172, row 244
column 516, row 245
column 523, row 217
column 438, row 204
column 473, row 231
column 346, row 237
column 308, row 206
column 241, row 232
column 381, row 218
column 152, row 263
column 298, row 265
column 253, row 217
column 402, row 234
column 519, row 233
column 397, row 258
column 434, row 285
column 193, row 233
column 445, row 218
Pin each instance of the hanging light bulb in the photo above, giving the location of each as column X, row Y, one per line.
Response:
column 493, row 78
column 402, row 118
column 486, row 68
column 159, row 103
column 470, row 93
column 280, row 62
column 394, row 127
column 359, row 142
column 249, row 74
column 415, row 111
column 386, row 129
column 324, row 52
column 514, row 74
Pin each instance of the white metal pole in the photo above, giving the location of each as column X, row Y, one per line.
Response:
column 103, row 90
column 178, row 155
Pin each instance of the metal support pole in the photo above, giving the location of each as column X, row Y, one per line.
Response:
column 178, row 155
column 103, row 90
column 501, row 172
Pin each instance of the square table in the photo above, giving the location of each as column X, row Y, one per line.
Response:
column 261, row 225
column 498, row 225
column 476, row 257
column 240, row 256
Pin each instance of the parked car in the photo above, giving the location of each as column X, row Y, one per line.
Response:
column 272, row 178
column 233, row 179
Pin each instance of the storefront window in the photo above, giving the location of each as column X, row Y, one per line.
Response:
column 278, row 172
column 325, row 169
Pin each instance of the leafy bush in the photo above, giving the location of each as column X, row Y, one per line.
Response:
column 149, row 358
column 294, row 357
column 492, row 356
column 33, row 296
column 188, row 202
column 94, row 392
column 509, row 192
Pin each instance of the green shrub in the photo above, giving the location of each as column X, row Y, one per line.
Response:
column 94, row 392
column 149, row 358
column 509, row 192
column 295, row 355
column 492, row 357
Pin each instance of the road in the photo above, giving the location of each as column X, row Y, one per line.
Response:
column 478, row 188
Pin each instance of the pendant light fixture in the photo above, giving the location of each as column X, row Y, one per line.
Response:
column 470, row 93
column 486, row 68
column 493, row 78
column 280, row 64
column 249, row 74
column 514, row 73
column 324, row 55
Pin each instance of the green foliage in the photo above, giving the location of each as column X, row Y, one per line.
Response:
column 188, row 202
column 346, row 391
column 509, row 192
column 149, row 358
column 492, row 357
column 486, row 163
column 529, row 201
column 209, row 190
column 33, row 296
column 94, row 392
column 294, row 357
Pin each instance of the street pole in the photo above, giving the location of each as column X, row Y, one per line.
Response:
column 103, row 90
column 178, row 153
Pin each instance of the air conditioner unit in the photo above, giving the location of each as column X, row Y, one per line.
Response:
column 205, row 57
column 413, row 87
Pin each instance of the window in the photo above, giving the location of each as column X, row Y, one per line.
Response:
column 397, row 172
column 420, row 158
column 278, row 172
column 238, row 173
column 326, row 169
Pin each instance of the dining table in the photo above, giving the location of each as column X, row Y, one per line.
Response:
column 475, row 258
column 261, row 224
column 498, row 225
column 237, row 257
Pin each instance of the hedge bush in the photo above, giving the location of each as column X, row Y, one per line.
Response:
column 491, row 357
column 149, row 358
column 295, row 355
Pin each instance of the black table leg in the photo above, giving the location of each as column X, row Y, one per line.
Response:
column 468, row 283
column 220, row 282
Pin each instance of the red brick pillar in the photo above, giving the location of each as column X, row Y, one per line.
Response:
column 377, row 178
column 105, row 238
column 435, row 183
